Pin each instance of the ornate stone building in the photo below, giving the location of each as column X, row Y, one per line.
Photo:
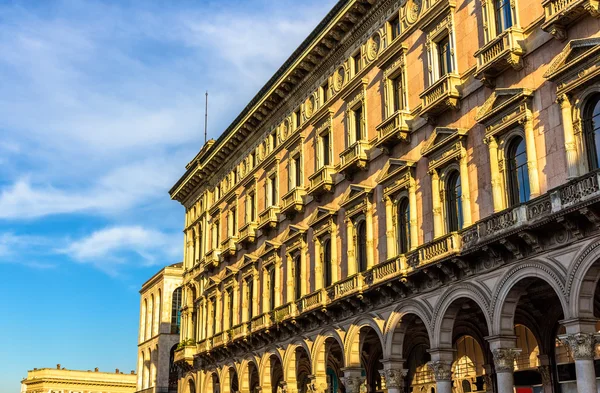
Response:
column 61, row 380
column 410, row 204
column 160, row 318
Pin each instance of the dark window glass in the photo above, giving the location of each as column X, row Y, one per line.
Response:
column 518, row 177
column 249, row 295
column 230, row 296
column 356, row 61
column 297, row 118
column 326, row 149
column 397, row 88
column 327, row 264
column 325, row 88
column 361, row 234
column 591, row 124
column 454, row 197
column 274, row 140
column 503, row 15
column 298, row 169
column 444, row 56
column 297, row 277
column 217, row 234
column 273, row 192
column 358, row 123
column 404, row 225
column 213, row 303
column 252, row 207
column 176, row 311
column 272, row 288
column 253, row 159
column 233, row 221
column 395, row 27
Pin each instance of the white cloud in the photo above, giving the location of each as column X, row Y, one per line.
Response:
column 109, row 248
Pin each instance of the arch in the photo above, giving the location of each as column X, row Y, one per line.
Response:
column 352, row 340
column 394, row 331
column 508, row 291
column 151, row 315
column 319, row 344
column 447, row 310
column 143, row 322
column 244, row 370
column 265, row 363
column 289, row 356
column 190, row 385
column 582, row 280
column 212, row 378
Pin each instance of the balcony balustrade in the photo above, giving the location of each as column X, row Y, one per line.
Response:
column 247, row 233
column 220, row 339
column 560, row 14
column 293, row 201
column 284, row 312
column 314, row 300
column 228, row 246
column 269, row 218
column 433, row 251
column 354, row 158
column 442, row 95
column 393, row 130
column 501, row 53
column 348, row 286
column 262, row 321
column 212, row 257
column 239, row 331
column 321, row 181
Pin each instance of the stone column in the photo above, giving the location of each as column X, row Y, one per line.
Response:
column 317, row 384
column 412, row 205
column 303, row 270
column 350, row 247
column 236, row 304
column 319, row 264
column 352, row 380
column 466, row 191
column 438, row 229
column 204, row 319
column 582, row 347
column 335, row 276
column 442, row 373
column 534, row 182
column 495, row 174
column 389, row 228
column 394, row 375
column 277, row 283
column 504, row 362
column 545, row 371
column 265, row 289
column 569, row 136
column 370, row 236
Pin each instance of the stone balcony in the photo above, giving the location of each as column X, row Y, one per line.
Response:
column 560, row 14
column 247, row 233
column 442, row 95
column 393, row 130
column 220, row 339
column 318, row 299
column 435, row 250
column 350, row 285
column 228, row 246
column 269, row 218
column 212, row 257
column 503, row 52
column 293, row 201
column 260, row 322
column 321, row 181
column 239, row 331
column 284, row 312
column 184, row 356
column 354, row 158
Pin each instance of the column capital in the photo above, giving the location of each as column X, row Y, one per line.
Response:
column 504, row 359
column 442, row 370
column 394, row 378
column 352, row 379
column 314, row 386
column 582, row 346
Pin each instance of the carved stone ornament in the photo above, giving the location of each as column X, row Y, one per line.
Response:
column 314, row 387
column 581, row 345
column 442, row 370
column 546, row 374
column 413, row 9
column 394, row 379
column 352, row 384
column 309, row 106
column 338, row 79
column 504, row 359
column 373, row 46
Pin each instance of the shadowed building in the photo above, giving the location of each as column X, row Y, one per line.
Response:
column 410, row 204
column 160, row 317
column 61, row 380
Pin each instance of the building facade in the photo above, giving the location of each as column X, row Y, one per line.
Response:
column 61, row 380
column 160, row 318
column 410, row 204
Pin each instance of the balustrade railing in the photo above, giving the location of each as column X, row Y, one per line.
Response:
column 284, row 312
column 239, row 331
column 313, row 300
column 260, row 322
column 356, row 151
column 385, row 269
column 349, row 285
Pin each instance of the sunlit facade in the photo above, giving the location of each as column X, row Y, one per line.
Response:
column 410, row 204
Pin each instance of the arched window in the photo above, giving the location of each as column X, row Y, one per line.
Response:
column 518, row 177
column 143, row 322
column 151, row 319
column 361, row 243
column 193, row 247
column 403, row 226
column 453, row 203
column 327, row 264
column 591, row 126
column 176, row 311
column 297, row 277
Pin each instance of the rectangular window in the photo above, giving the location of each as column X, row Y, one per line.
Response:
column 253, row 159
column 397, row 93
column 233, row 221
column 444, row 56
column 357, row 119
column 250, row 289
column 356, row 63
column 273, row 190
column 325, row 142
column 213, row 304
column 395, row 27
column 297, row 172
column 297, row 116
column 252, row 206
column 217, row 193
column 230, row 306
column 325, row 91
column 503, row 15
column 272, row 288
column 216, row 235
column 274, row 140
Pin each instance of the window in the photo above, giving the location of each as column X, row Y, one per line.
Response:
column 272, row 287
column 518, row 177
column 325, row 91
column 453, row 206
column 297, row 277
column 404, row 226
column 252, row 206
column 176, row 311
column 233, row 221
column 217, row 192
column 356, row 63
column 297, row 172
column 503, row 13
column 253, row 159
column 361, row 240
column 297, row 117
column 272, row 191
column 230, row 306
column 444, row 56
column 591, row 125
column 397, row 92
column 326, row 147
column 273, row 140
column 249, row 294
column 357, row 123
column 327, row 268
column 216, row 234
column 395, row 27
column 213, row 305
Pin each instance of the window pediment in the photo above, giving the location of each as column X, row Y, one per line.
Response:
column 323, row 122
column 503, row 108
column 356, row 199
column 248, row 264
column 294, row 237
column 396, row 175
column 577, row 63
column 443, row 145
column 322, row 220
column 269, row 252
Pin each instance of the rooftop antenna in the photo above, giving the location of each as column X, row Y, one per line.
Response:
column 205, row 116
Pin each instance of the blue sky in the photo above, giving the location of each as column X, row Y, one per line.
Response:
column 101, row 107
